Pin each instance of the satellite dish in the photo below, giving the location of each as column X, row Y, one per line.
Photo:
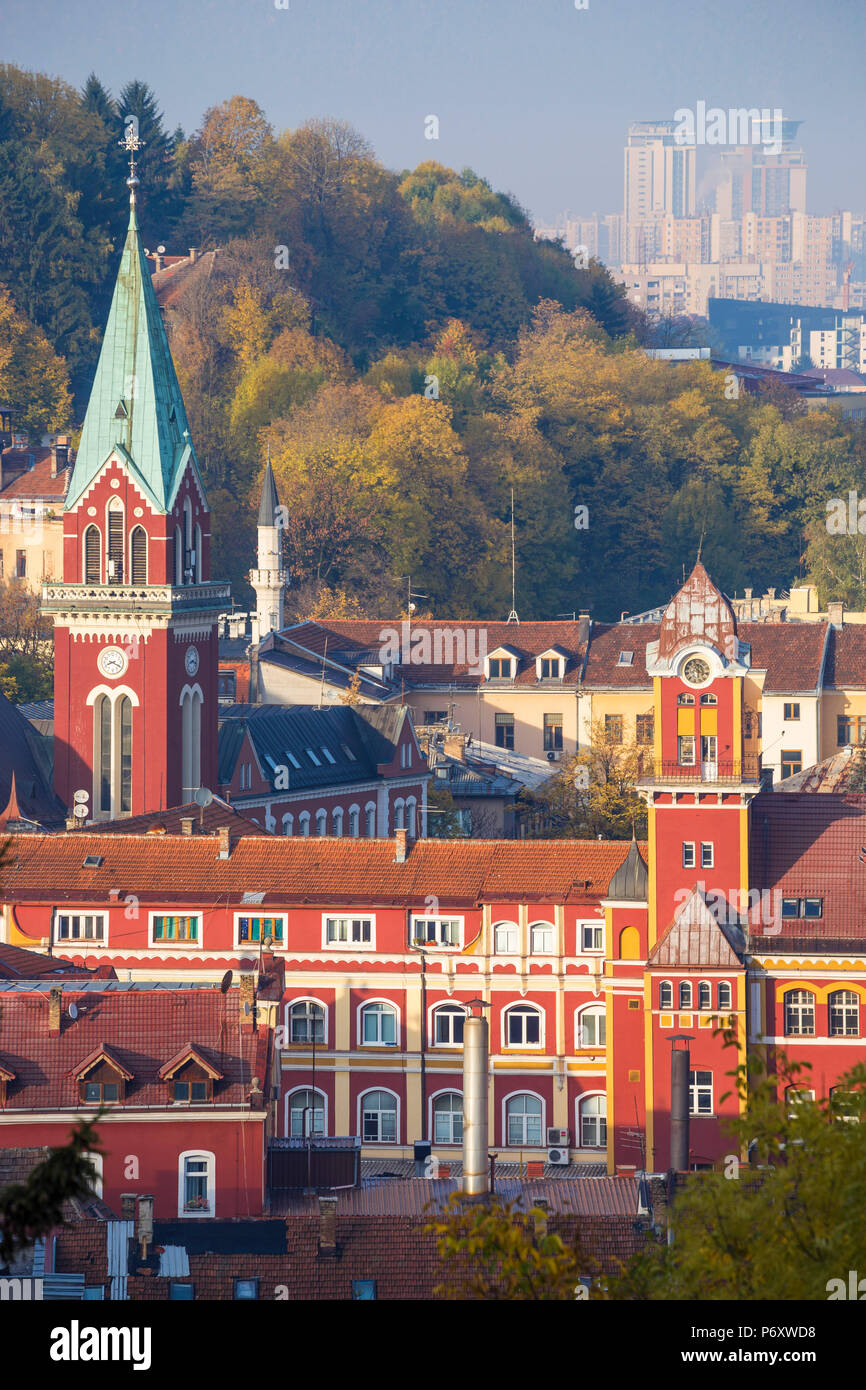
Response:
column 80, row 811
column 225, row 982
column 81, row 795
column 160, row 249
column 73, row 1012
column 203, row 797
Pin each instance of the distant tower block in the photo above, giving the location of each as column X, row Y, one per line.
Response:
column 269, row 579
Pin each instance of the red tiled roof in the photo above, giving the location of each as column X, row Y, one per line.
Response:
column 37, row 481
column 207, row 820
column 143, row 1028
column 190, row 1053
column 110, row 1055
column 790, row 653
column 846, row 657
column 607, row 640
column 308, row 870
column 803, row 845
column 16, row 963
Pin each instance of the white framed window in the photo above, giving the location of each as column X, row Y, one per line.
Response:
column 370, row 820
column 447, row 1022
column 591, row 1026
column 592, row 1121
column 522, row 1026
column 800, row 1013
column 354, row 821
column 306, row 1021
column 506, row 937
column 688, row 854
column 523, row 1121
column 253, row 930
column 686, row 750
column 706, row 854
column 379, row 1117
column 724, row 994
column 705, row 995
column 196, row 1183
column 351, row 931
column 844, row 1014
column 542, row 938
column 499, row 668
column 321, row 822
column 79, row 926
column 378, row 1024
column 666, row 995
column 306, row 1113
column 288, row 823
column 399, row 814
column 304, row 823
column 447, row 1110
column 338, row 820
column 700, row 1093
column 175, row 929
column 591, row 936
column 548, row 668
column 412, row 816
column 685, row 994
column 438, row 931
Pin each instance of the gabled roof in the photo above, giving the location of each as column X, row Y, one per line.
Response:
column 206, row 820
column 792, row 654
column 190, row 1053
column 23, row 755
column 807, row 846
column 695, row 939
column 17, row 963
column 369, row 733
column 832, row 775
column 699, row 611
column 99, row 1054
column 6, row 1073
column 846, row 656
column 135, row 404
column 37, row 481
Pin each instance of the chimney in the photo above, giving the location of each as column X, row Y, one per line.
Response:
column 835, row 613
column 248, row 1001
column 455, row 746
column 127, row 1206
column 55, row 1004
column 583, row 626
column 59, row 454
column 193, row 254
column 771, row 594
column 225, row 842
column 186, row 825
column 157, row 262
column 328, row 1226
column 144, row 1229
column 400, row 841
column 748, row 593
column 475, row 1065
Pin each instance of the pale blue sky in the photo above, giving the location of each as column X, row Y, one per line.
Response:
column 534, row 94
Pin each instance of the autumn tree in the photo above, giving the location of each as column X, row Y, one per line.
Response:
column 492, row 1250
column 593, row 794
column 34, row 381
column 34, row 1208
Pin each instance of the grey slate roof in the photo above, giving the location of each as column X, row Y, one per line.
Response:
column 630, row 881
column 23, row 752
column 269, row 503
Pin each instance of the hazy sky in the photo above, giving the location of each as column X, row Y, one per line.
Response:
column 533, row 94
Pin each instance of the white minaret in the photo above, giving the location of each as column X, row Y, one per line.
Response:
column 269, row 580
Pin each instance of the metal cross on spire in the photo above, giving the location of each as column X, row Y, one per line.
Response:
column 131, row 143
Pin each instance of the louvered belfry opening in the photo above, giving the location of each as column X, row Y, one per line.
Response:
column 92, row 547
column 139, row 555
column 115, row 546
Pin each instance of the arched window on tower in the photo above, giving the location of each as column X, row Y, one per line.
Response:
column 114, row 573
column 190, row 706
column 125, row 747
column 92, row 556
column 188, row 548
column 112, row 762
column 138, row 552
column 178, row 555
column 196, row 569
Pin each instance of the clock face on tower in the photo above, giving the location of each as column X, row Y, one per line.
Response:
column 190, row 661
column 112, row 662
column 696, row 671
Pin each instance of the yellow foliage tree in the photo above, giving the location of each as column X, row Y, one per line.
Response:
column 33, row 380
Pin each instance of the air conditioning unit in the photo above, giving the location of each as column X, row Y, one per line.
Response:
column 553, row 756
column 558, row 1156
column 557, row 1138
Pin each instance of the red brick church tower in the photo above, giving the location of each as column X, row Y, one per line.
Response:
column 135, row 616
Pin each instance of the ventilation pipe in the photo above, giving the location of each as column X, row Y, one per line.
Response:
column 476, row 1048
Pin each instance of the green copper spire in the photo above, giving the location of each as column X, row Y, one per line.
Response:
column 135, row 404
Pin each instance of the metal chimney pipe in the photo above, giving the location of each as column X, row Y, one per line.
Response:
column 680, row 1067
column 476, row 1047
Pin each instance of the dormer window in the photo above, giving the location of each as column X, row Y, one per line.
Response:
column 102, row 1079
column 549, row 668
column 190, row 1077
column 499, row 668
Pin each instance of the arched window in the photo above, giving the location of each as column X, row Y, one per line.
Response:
column 448, row 1021
column 399, row 815
column 592, row 1122
column 724, row 995
column 705, row 995
column 411, row 816
column 112, row 744
column 196, row 1183
column 541, row 939
column 102, row 716
column 666, row 995
column 685, row 994
column 505, row 938
column 370, row 822
column 379, row 1025
column 190, row 707
column 288, row 824
column 592, row 1027
column 800, row 1013
column 379, row 1117
column 306, row 1114
column 92, row 556
column 629, row 944
column 523, row 1026
column 188, row 548
column 197, row 549
column 448, row 1118
column 304, row 822
column 115, row 523
column 125, row 730
column 523, row 1121
column 321, row 822
column 354, row 820
column 306, row 1021
column 178, row 555
column 844, row 1014
column 138, row 551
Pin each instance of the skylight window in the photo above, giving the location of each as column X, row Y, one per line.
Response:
column 93, row 861
column 348, row 752
column 293, row 760
column 328, row 754
column 625, row 659
column 317, row 762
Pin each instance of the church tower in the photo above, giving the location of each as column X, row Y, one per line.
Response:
column 269, row 579
column 135, row 616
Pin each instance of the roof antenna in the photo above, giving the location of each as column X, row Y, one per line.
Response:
column 324, row 659
column 701, row 545
column 512, row 617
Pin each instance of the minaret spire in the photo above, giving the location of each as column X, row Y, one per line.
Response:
column 131, row 143
column 269, row 578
